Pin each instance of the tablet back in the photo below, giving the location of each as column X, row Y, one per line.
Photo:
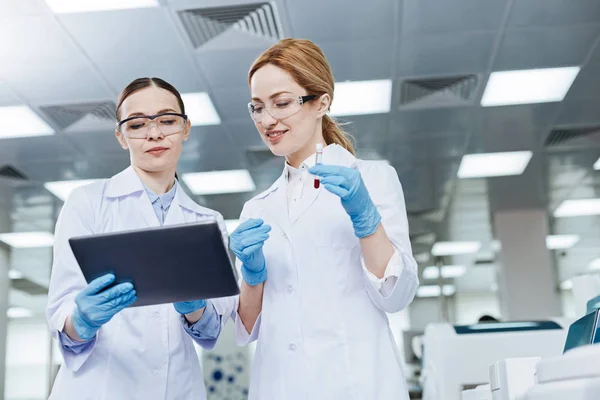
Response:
column 166, row 264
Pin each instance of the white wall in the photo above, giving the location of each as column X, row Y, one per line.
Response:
column 28, row 352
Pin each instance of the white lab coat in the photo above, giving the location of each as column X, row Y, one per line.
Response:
column 142, row 352
column 323, row 332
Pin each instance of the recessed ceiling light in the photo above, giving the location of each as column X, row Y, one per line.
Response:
column 217, row 182
column 22, row 240
column 560, row 242
column 528, row 86
column 455, row 248
column 200, row 109
column 578, row 208
column 448, row 272
column 62, row 189
column 81, row 6
column 487, row 165
column 434, row 290
column 361, row 97
column 19, row 312
column 21, row 121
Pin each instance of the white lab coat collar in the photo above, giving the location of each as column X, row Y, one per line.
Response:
column 128, row 182
column 124, row 183
column 275, row 199
column 333, row 154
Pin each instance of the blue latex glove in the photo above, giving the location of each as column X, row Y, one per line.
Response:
column 347, row 183
column 247, row 242
column 95, row 306
column 186, row 307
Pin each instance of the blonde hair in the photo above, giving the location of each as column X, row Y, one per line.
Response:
column 307, row 65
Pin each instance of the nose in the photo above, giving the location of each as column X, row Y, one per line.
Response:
column 154, row 132
column 267, row 120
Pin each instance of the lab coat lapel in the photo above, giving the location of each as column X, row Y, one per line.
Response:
column 332, row 155
column 175, row 215
column 275, row 205
column 128, row 183
column 307, row 200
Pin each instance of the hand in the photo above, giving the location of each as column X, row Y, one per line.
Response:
column 247, row 242
column 347, row 183
column 95, row 307
column 187, row 307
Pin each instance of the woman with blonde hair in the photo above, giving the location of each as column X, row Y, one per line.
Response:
column 325, row 251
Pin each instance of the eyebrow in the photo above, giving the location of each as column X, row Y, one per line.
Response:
column 272, row 96
column 136, row 114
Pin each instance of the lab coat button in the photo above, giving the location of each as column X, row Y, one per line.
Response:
column 290, row 289
column 155, row 372
column 292, row 347
column 156, row 314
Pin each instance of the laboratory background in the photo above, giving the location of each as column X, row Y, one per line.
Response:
column 489, row 110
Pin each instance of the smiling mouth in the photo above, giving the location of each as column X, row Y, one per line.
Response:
column 274, row 135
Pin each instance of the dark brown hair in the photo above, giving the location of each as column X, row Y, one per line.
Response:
column 142, row 83
column 307, row 65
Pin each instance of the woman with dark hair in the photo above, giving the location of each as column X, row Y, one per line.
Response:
column 111, row 351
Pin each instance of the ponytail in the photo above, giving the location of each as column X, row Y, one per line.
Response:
column 333, row 133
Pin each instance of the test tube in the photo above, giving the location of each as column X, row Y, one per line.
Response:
column 318, row 160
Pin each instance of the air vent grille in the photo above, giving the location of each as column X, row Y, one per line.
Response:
column 560, row 136
column 457, row 89
column 204, row 24
column 10, row 172
column 67, row 115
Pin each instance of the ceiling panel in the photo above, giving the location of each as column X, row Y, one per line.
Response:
column 135, row 43
column 243, row 134
column 579, row 112
column 514, row 127
column 232, row 103
column 548, row 13
column 7, row 97
column 445, row 54
column 43, row 65
column 59, row 84
column 348, row 59
column 433, row 16
column 322, row 20
column 96, row 143
column 21, row 151
column 587, row 84
column 228, row 68
column 421, row 123
column 544, row 48
column 65, row 169
column 14, row 9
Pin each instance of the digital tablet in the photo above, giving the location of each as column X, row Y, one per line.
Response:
column 166, row 264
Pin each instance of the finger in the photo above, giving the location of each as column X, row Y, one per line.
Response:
column 251, row 241
column 335, row 180
column 338, row 191
column 126, row 303
column 249, row 224
column 114, row 292
column 261, row 230
column 98, row 284
column 328, row 170
column 252, row 249
column 121, row 300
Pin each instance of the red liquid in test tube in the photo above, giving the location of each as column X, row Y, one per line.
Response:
column 318, row 160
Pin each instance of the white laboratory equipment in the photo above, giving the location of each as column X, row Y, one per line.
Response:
column 482, row 392
column 456, row 358
column 510, row 379
column 573, row 376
